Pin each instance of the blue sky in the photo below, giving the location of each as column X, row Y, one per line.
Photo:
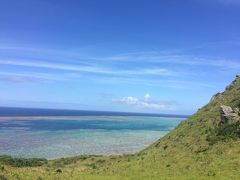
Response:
column 155, row 56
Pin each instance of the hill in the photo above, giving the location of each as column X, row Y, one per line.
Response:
column 205, row 146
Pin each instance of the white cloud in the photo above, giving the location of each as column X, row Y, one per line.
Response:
column 130, row 100
column 147, row 97
column 146, row 102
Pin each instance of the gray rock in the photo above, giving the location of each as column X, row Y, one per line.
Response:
column 226, row 113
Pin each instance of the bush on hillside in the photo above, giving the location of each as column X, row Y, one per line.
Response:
column 22, row 162
column 224, row 132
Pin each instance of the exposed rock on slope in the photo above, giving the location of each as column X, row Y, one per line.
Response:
column 227, row 113
column 229, row 87
column 216, row 96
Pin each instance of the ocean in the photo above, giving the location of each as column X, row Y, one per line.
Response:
column 55, row 134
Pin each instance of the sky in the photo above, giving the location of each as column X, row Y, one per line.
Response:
column 152, row 56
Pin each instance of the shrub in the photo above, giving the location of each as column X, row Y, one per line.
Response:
column 2, row 168
column 224, row 132
column 92, row 165
column 58, row 171
column 22, row 162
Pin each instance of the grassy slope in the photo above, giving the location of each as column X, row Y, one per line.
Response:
column 184, row 153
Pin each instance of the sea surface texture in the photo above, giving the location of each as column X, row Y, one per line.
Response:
column 63, row 136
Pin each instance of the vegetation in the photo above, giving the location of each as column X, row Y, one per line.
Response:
column 199, row 148
column 224, row 133
column 22, row 162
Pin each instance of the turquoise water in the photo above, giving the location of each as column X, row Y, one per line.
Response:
column 56, row 137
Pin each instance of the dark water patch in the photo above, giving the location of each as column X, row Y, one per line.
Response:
column 13, row 111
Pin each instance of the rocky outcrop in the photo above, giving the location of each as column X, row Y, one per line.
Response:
column 228, row 113
column 232, row 84
column 215, row 97
column 229, row 87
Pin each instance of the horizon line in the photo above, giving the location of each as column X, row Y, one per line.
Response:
column 15, row 112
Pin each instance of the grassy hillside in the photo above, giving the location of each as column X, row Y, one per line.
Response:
column 199, row 148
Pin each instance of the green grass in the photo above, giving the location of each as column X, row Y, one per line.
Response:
column 197, row 149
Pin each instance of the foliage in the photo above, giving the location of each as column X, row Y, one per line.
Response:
column 22, row 162
column 224, row 132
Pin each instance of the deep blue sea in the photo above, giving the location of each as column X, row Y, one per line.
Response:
column 62, row 133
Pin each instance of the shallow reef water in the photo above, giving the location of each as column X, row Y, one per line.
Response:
column 67, row 136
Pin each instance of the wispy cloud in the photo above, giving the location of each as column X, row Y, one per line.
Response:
column 146, row 102
column 173, row 69
column 42, row 64
column 29, row 77
column 91, row 63
column 16, row 79
column 45, row 104
column 177, row 59
column 89, row 69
